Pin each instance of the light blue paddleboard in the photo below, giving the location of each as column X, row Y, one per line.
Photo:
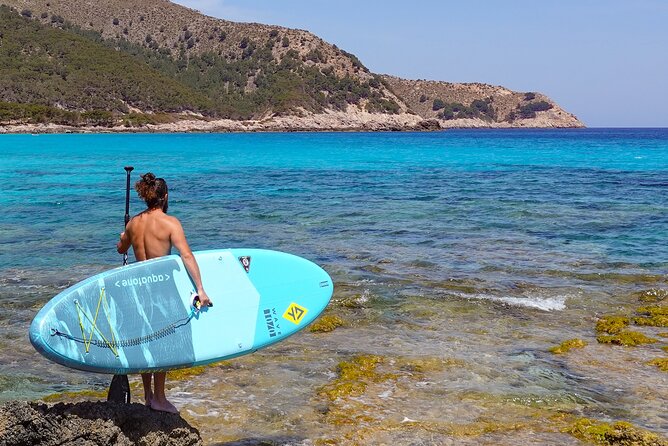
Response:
column 140, row 317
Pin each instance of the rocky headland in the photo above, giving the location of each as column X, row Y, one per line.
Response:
column 153, row 65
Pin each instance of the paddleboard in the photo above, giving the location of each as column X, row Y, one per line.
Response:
column 140, row 318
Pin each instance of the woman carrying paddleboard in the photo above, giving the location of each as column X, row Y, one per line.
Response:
column 152, row 233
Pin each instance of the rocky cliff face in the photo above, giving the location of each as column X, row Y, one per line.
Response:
column 92, row 424
column 480, row 105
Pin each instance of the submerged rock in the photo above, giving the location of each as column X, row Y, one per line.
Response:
column 652, row 295
column 326, row 323
column 354, row 377
column 92, row 423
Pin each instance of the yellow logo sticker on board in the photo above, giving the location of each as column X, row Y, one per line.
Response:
column 295, row 313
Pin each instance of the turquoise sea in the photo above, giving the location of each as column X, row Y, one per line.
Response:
column 473, row 250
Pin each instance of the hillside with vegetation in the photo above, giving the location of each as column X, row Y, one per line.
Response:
column 138, row 62
column 51, row 75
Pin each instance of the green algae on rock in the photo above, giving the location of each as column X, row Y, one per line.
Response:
column 626, row 338
column 566, row 346
column 424, row 365
column 186, row 373
column 355, row 301
column 652, row 295
column 656, row 316
column 661, row 363
column 354, row 376
column 76, row 395
column 653, row 310
column 87, row 394
column 654, row 321
column 618, row 433
column 345, row 398
column 612, row 324
column 326, row 323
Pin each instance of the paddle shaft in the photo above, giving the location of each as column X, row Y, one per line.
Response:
column 119, row 389
column 128, row 169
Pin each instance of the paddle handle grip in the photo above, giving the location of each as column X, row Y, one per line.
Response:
column 128, row 169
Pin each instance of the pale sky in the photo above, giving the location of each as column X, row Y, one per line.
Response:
column 606, row 61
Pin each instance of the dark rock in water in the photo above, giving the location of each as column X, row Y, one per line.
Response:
column 92, row 423
column 428, row 125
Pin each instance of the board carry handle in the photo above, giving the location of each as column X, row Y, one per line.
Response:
column 119, row 389
column 196, row 302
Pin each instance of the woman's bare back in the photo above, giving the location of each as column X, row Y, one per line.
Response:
column 151, row 234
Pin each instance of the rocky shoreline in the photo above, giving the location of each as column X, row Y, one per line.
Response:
column 322, row 122
column 91, row 424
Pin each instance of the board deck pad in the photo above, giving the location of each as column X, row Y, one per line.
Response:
column 139, row 318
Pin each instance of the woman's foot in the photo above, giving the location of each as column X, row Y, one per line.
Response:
column 163, row 406
column 148, row 399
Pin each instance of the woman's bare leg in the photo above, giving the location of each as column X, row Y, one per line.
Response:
column 148, row 391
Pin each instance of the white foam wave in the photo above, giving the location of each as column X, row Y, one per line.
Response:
column 557, row 303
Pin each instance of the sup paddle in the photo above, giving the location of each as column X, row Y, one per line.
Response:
column 119, row 389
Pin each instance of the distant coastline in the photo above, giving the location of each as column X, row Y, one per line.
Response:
column 330, row 121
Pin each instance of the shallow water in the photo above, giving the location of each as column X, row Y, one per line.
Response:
column 471, row 253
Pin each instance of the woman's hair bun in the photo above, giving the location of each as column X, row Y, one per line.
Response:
column 149, row 179
column 151, row 189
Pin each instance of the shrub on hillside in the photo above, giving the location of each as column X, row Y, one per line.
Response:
column 529, row 110
column 248, row 50
column 316, row 56
column 381, row 105
column 483, row 107
column 479, row 108
column 355, row 60
column 438, row 105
